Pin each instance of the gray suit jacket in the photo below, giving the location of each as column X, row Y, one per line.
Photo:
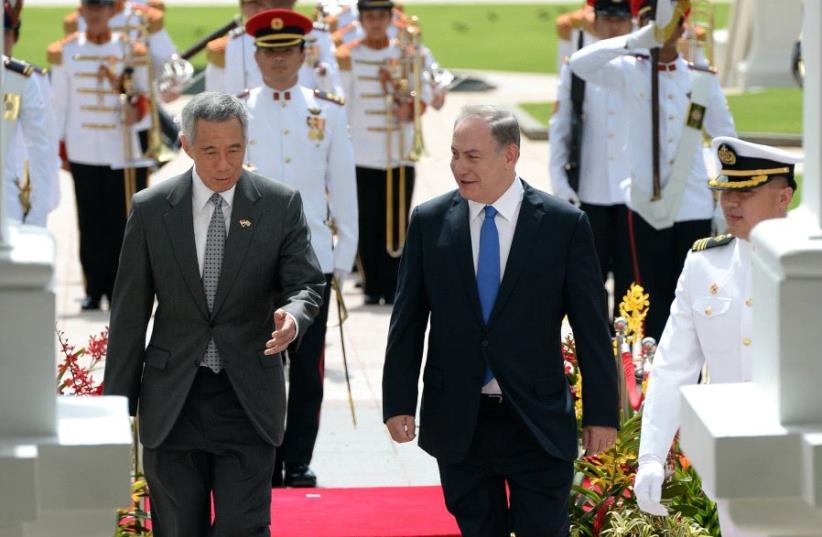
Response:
column 268, row 263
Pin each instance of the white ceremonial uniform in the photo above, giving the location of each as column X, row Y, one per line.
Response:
column 88, row 111
column 710, row 324
column 602, row 165
column 302, row 140
column 161, row 47
column 25, row 123
column 566, row 47
column 241, row 72
column 609, row 64
column 370, row 109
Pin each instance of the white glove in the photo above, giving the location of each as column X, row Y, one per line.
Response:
column 648, row 487
column 340, row 275
column 644, row 38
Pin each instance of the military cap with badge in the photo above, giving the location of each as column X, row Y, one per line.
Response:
column 747, row 165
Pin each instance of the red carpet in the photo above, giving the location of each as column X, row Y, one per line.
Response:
column 361, row 512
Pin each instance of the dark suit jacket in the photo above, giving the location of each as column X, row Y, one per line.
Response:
column 267, row 263
column 552, row 270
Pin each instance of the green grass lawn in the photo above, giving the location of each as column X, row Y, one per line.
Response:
column 777, row 110
column 772, row 110
column 504, row 36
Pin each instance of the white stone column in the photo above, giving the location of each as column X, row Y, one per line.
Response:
column 758, row 446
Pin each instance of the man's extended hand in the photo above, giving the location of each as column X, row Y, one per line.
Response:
column 285, row 330
column 597, row 439
column 402, row 428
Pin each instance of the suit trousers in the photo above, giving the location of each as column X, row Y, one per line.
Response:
column 213, row 448
column 660, row 257
column 380, row 278
column 609, row 224
column 306, row 373
column 503, row 452
column 101, row 216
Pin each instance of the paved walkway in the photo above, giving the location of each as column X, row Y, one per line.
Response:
column 345, row 455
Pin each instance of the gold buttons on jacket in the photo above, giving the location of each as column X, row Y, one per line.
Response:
column 747, row 341
column 749, row 302
column 708, row 311
column 713, row 289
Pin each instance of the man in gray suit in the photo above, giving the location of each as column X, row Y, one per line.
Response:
column 227, row 255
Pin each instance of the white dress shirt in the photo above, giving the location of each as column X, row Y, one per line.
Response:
column 507, row 206
column 203, row 209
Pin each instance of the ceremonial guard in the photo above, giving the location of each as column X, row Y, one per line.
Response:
column 101, row 102
column 387, row 97
column 588, row 132
column 670, row 204
column 711, row 317
column 30, row 173
column 232, row 68
column 299, row 136
column 143, row 22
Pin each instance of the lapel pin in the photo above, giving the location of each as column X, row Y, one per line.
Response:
column 245, row 223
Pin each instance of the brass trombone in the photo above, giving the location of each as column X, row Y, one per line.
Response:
column 402, row 82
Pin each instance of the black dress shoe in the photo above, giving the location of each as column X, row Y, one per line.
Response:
column 371, row 300
column 299, row 475
column 90, row 304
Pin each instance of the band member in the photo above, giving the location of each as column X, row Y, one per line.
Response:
column 144, row 22
column 232, row 67
column 101, row 102
column 711, row 316
column 588, row 133
column 299, row 136
column 30, row 167
column 384, row 121
column 670, row 209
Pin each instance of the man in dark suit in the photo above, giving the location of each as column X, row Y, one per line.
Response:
column 227, row 255
column 495, row 266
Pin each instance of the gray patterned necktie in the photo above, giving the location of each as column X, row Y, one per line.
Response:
column 212, row 263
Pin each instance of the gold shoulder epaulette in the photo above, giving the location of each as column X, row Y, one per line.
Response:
column 702, row 68
column 18, row 66
column 331, row 97
column 215, row 51
column 712, row 242
column 54, row 52
column 70, row 22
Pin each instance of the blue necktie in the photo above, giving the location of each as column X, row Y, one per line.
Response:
column 488, row 271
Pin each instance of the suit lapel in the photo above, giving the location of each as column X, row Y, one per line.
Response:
column 525, row 235
column 457, row 219
column 244, row 218
column 179, row 222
